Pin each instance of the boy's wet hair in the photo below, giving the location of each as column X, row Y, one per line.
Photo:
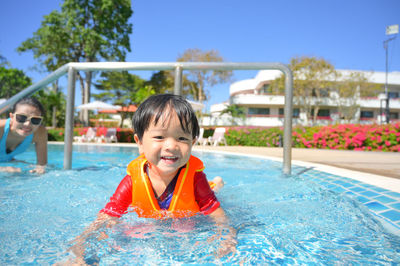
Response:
column 155, row 107
column 32, row 101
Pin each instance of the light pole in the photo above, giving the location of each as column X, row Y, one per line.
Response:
column 390, row 30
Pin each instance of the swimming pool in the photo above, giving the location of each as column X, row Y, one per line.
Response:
column 301, row 219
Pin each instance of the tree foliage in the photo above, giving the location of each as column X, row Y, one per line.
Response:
column 234, row 111
column 348, row 90
column 12, row 81
column 84, row 31
column 55, row 101
column 122, row 88
column 197, row 80
column 312, row 79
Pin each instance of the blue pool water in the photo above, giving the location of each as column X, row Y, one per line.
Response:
column 308, row 218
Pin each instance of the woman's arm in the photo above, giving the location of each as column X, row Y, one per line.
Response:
column 40, row 140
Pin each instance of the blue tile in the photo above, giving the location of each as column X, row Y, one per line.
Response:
column 354, row 181
column 343, row 184
column 394, row 194
column 363, row 199
column 337, row 189
column 391, row 215
column 376, row 206
column 379, row 189
column 369, row 193
column 350, row 193
column 366, row 185
column 384, row 199
column 357, row 189
column 325, row 184
column 395, row 206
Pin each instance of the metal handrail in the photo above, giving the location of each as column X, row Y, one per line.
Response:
column 71, row 68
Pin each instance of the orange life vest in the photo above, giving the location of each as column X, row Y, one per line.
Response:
column 183, row 203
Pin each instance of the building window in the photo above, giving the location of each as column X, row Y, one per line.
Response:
column 394, row 115
column 322, row 113
column 296, row 112
column 265, row 89
column 258, row 111
column 367, row 114
column 393, row 95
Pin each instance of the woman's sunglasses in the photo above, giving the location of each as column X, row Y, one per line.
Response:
column 35, row 120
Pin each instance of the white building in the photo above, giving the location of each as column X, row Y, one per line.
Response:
column 266, row 109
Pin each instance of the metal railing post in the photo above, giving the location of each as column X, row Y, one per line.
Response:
column 69, row 119
column 178, row 80
column 178, row 67
column 287, row 125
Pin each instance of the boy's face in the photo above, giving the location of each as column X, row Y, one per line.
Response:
column 165, row 145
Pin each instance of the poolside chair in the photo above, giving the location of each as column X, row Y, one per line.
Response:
column 218, row 137
column 88, row 137
column 201, row 140
column 111, row 135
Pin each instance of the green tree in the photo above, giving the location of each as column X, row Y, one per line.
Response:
column 197, row 80
column 3, row 61
column 312, row 80
column 161, row 81
column 164, row 81
column 84, row 31
column 235, row 111
column 348, row 90
column 122, row 88
column 55, row 101
column 12, row 81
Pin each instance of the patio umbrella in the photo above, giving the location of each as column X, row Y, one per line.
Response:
column 97, row 105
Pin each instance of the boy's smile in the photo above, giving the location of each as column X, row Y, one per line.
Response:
column 166, row 146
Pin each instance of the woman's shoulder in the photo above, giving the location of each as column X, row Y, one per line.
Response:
column 2, row 123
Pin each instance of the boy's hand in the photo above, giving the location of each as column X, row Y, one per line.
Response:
column 228, row 245
column 226, row 233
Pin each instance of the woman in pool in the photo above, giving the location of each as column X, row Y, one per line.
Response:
column 165, row 181
column 22, row 128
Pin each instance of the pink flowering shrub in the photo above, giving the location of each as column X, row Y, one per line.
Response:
column 350, row 137
column 338, row 137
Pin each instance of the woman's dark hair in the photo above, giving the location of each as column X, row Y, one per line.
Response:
column 155, row 107
column 32, row 102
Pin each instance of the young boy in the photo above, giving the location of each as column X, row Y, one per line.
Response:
column 165, row 181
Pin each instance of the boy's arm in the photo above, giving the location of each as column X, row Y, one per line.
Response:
column 209, row 205
column 106, row 218
column 103, row 221
column 226, row 232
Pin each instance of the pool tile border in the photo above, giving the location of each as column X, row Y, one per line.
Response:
column 382, row 202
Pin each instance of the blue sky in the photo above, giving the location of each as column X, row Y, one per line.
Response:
column 347, row 33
